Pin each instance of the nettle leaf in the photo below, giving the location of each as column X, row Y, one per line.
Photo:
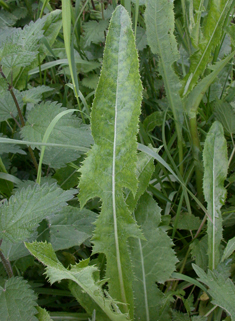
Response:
column 69, row 131
column 34, row 94
column 71, row 227
column 215, row 171
column 24, row 210
column 17, row 301
column 221, row 289
column 188, row 222
column 153, row 259
column 211, row 34
column 82, row 274
column 3, row 85
column 94, row 31
column 159, row 18
column 110, row 165
column 11, row 148
column 7, row 105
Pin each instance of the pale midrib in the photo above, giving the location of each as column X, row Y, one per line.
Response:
column 144, row 282
column 120, row 275
column 209, row 42
column 213, row 213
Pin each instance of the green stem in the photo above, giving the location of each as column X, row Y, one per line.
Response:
column 6, row 263
column 196, row 155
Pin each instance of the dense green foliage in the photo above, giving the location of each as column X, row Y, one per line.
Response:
column 117, row 123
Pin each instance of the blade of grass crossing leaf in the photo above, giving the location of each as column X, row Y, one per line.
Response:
column 4, row 140
column 45, row 2
column 46, row 137
column 215, row 162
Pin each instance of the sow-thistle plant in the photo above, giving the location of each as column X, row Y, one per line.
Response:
column 114, row 204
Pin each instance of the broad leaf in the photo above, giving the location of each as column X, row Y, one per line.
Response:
column 4, row 148
column 221, row 289
column 211, row 35
column 215, row 171
column 153, row 260
column 17, row 301
column 110, row 165
column 68, row 131
column 230, row 248
column 159, row 18
column 22, row 214
column 94, row 31
column 7, row 105
column 82, row 274
column 71, row 227
column 188, row 221
column 34, row 94
column 199, row 252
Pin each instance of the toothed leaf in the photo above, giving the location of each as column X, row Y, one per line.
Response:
column 110, row 165
column 215, row 172
column 82, row 274
column 153, row 259
column 24, row 210
column 17, row 301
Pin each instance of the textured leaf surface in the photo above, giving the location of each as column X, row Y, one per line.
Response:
column 4, row 148
column 159, row 18
column 153, row 260
column 7, row 105
column 43, row 315
column 34, row 94
column 199, row 252
column 211, row 33
column 188, row 222
column 68, row 130
column 17, row 301
column 110, row 165
column 71, row 227
column 28, row 207
column 81, row 274
column 94, row 31
column 221, row 289
column 215, row 171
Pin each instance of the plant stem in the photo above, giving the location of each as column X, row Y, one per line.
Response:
column 196, row 155
column 6, row 263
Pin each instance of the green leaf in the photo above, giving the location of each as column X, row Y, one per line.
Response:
column 230, row 248
column 82, row 274
column 159, row 18
column 110, row 165
column 153, row 259
column 194, row 98
column 7, row 105
column 17, row 301
column 4, row 148
column 22, row 214
column 215, row 171
column 221, row 289
column 211, row 35
column 43, row 315
column 34, row 94
column 145, row 168
column 153, row 120
column 188, row 222
column 94, row 31
column 199, row 252
column 71, row 227
column 225, row 114
column 141, row 38
column 68, row 131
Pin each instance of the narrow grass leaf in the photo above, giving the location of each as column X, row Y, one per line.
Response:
column 215, row 171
